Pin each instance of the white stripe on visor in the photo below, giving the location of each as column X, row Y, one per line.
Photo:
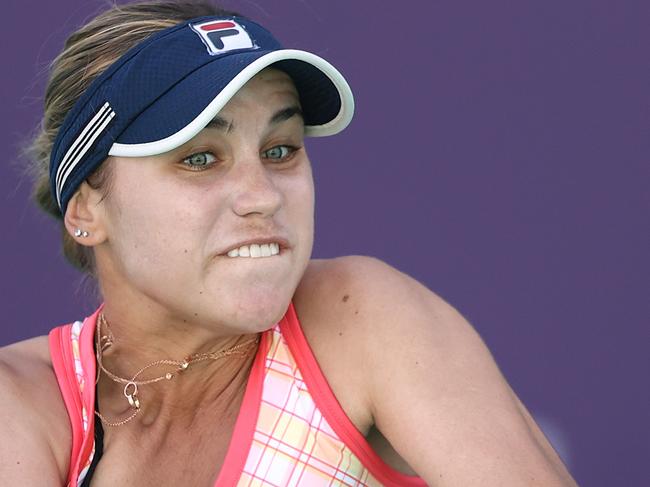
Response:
column 80, row 146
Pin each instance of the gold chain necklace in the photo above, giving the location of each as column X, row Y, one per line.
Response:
column 102, row 342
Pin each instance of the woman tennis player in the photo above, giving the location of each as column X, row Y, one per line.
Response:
column 172, row 151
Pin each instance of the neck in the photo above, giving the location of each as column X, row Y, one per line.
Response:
column 152, row 379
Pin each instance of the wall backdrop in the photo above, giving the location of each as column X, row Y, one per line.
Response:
column 499, row 154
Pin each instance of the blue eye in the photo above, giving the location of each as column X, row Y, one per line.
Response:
column 279, row 152
column 200, row 160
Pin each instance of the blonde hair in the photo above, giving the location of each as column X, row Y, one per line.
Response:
column 86, row 54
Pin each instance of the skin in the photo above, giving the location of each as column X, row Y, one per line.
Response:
column 409, row 371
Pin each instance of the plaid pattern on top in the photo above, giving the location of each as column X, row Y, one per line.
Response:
column 293, row 444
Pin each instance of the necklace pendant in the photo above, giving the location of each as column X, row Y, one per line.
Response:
column 131, row 394
column 133, row 401
column 184, row 365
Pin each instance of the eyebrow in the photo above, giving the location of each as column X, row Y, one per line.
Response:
column 280, row 116
column 220, row 124
column 285, row 114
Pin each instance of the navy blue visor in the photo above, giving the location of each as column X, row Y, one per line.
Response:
column 165, row 90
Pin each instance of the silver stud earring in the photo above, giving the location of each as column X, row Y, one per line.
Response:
column 80, row 233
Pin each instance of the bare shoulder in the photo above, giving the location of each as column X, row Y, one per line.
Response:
column 327, row 305
column 431, row 385
column 35, row 435
column 337, row 302
column 358, row 281
column 362, row 297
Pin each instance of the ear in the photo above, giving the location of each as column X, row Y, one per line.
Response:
column 84, row 216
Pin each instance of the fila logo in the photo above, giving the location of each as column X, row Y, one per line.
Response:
column 221, row 36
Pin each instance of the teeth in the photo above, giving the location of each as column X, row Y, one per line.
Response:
column 256, row 250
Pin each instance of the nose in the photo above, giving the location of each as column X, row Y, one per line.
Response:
column 254, row 189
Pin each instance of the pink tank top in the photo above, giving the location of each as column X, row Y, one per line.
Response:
column 290, row 429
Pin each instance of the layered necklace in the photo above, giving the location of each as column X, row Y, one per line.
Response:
column 105, row 341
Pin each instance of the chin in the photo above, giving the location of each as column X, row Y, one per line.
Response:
column 257, row 313
column 253, row 299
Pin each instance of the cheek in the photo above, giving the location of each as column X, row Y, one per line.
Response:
column 149, row 226
column 299, row 201
column 151, row 200
column 300, row 206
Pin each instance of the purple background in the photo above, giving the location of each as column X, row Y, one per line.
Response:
column 499, row 154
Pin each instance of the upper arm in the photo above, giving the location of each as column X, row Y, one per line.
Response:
column 30, row 407
column 436, row 393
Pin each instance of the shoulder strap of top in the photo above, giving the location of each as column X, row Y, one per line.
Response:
column 331, row 409
column 73, row 361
